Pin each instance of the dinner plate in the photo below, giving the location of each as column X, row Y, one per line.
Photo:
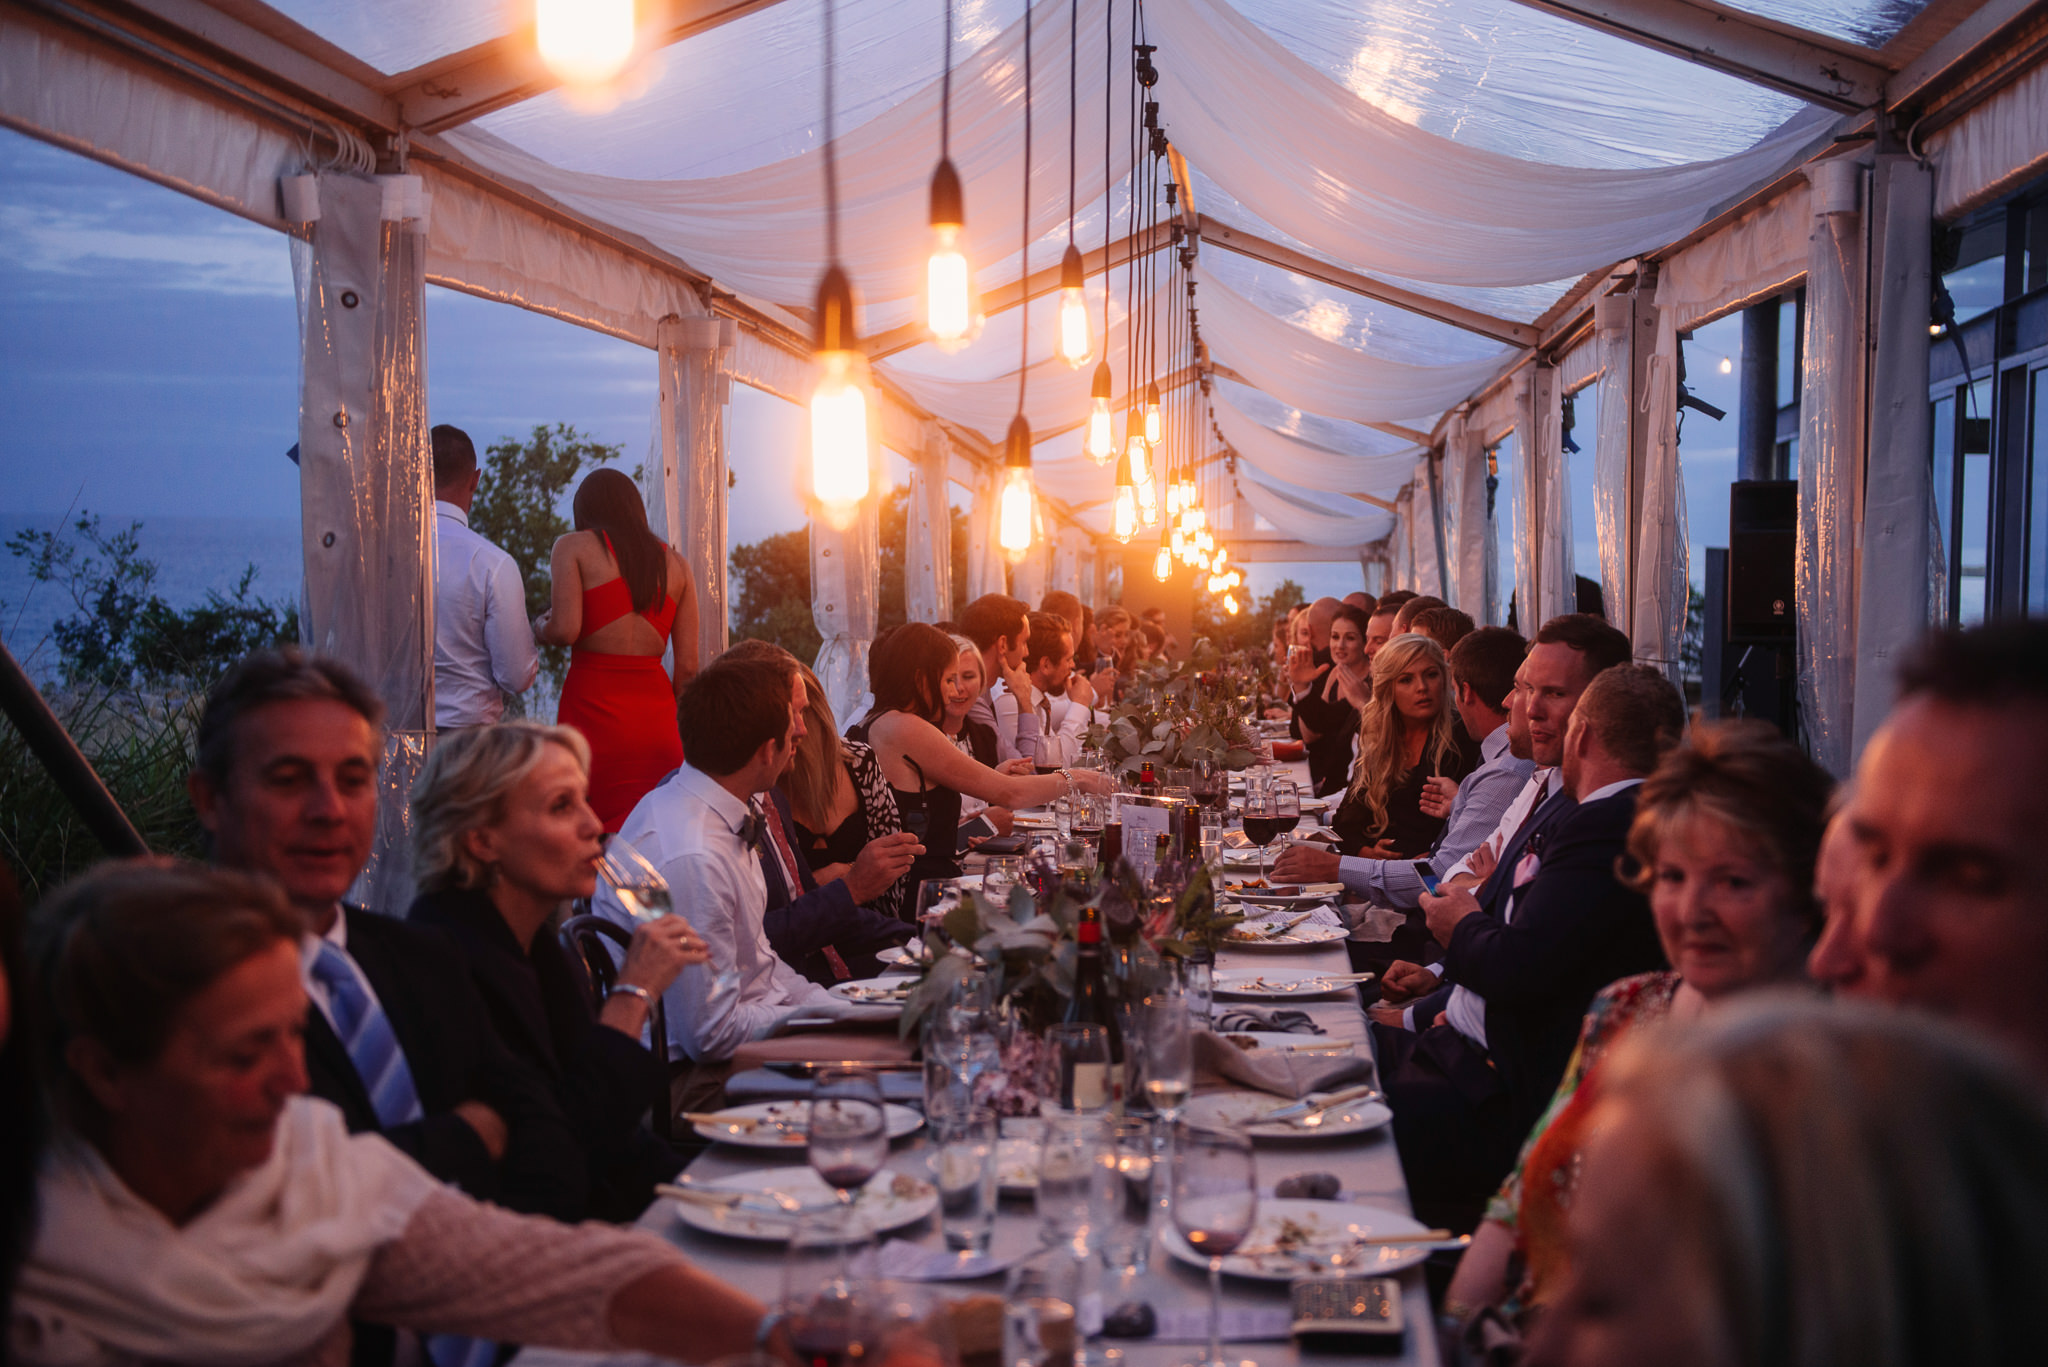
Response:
column 1275, row 1041
column 889, row 1201
column 912, row 955
column 1245, row 936
column 888, row 991
column 1277, row 986
column 784, row 1124
column 1294, row 1238
column 1239, row 1110
column 1017, row 1166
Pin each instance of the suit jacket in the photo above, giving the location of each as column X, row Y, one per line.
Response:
column 1576, row 929
column 440, row 1023
column 802, row 921
column 538, row 1001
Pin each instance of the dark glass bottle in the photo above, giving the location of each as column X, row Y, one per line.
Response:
column 1112, row 847
column 1148, row 781
column 1090, row 1086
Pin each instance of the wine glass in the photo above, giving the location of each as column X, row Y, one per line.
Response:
column 1261, row 821
column 643, row 894
column 848, row 1134
column 825, row 1306
column 1215, row 1205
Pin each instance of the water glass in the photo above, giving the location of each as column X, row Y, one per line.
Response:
column 1066, row 1179
column 1212, row 835
column 963, row 1163
column 1040, row 1313
column 1002, row 873
column 1198, row 983
column 1124, row 1168
column 1169, row 1050
column 936, row 897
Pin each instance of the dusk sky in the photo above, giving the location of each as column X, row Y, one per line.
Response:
column 149, row 368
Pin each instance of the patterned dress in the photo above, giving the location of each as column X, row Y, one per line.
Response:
column 874, row 815
column 1537, row 1197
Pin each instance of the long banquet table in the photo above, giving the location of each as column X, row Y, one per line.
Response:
column 1367, row 1165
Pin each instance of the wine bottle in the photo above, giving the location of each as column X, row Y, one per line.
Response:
column 1089, row 1086
column 1148, row 781
column 1112, row 848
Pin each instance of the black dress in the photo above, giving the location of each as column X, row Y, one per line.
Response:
column 1412, row 831
column 1336, row 727
column 932, row 814
column 538, row 999
column 874, row 815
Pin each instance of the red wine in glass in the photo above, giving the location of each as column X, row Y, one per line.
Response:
column 1262, row 830
column 1283, row 824
column 849, row 1131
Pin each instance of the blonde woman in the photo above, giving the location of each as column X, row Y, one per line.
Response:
column 503, row 837
column 1408, row 733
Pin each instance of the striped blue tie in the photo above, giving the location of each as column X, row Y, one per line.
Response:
column 365, row 1031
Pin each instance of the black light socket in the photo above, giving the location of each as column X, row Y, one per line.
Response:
column 834, row 309
column 949, row 205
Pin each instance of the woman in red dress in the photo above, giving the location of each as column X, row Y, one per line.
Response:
column 618, row 593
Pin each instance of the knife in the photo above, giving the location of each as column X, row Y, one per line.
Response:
column 1301, row 1109
column 791, row 1067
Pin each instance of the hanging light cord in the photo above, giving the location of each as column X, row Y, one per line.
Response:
column 831, row 168
column 946, row 91
column 1108, row 211
column 1073, row 104
column 1024, row 216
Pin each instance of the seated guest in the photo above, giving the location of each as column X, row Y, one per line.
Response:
column 1150, row 640
column 1061, row 699
column 1413, row 606
column 286, row 785
column 1112, row 638
column 1081, row 621
column 1726, row 836
column 503, row 837
column 1169, row 645
column 196, row 1208
column 1364, row 602
column 976, row 741
column 1569, row 652
column 1445, row 625
column 1803, row 1181
column 1483, row 671
column 908, row 671
column 1329, row 698
column 1951, row 909
column 700, row 828
column 1408, row 733
column 1000, row 628
column 1552, row 924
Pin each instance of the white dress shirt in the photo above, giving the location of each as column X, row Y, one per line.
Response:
column 687, row 827
column 1466, row 1010
column 483, row 642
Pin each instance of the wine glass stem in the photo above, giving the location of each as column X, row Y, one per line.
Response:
column 1215, row 1312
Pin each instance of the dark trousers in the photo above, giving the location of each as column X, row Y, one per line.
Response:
column 1452, row 1122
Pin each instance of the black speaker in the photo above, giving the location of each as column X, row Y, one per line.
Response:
column 1763, row 531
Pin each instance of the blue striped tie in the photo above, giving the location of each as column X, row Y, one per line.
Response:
column 365, row 1031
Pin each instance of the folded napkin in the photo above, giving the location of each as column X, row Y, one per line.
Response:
column 1279, row 1071
column 1371, row 924
column 1280, row 1020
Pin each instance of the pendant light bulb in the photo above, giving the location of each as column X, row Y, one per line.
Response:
column 584, row 42
column 1139, row 455
column 1173, row 498
column 840, row 405
column 1075, row 344
column 1162, row 563
column 1180, row 546
column 1124, row 512
column 1017, row 510
column 1155, row 426
column 1148, row 504
column 952, row 310
column 1101, row 444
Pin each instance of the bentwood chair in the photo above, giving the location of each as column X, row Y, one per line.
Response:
column 589, row 939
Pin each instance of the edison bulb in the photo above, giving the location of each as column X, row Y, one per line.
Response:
column 1155, row 425
column 1101, row 436
column 1179, row 545
column 1141, row 460
column 948, row 289
column 1126, row 513
column 1727, row 365
column 1173, row 498
column 1162, row 564
column 1016, row 513
column 1148, row 504
column 839, row 436
column 584, row 42
column 1075, row 345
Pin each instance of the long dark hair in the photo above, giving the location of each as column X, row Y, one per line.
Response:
column 608, row 502
column 907, row 670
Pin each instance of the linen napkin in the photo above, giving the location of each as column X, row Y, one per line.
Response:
column 1281, row 1072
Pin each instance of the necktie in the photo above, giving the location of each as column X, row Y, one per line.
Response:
column 749, row 831
column 365, row 1031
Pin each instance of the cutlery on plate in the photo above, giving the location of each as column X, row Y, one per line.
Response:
column 745, row 1124
column 719, row 1199
column 1301, row 1110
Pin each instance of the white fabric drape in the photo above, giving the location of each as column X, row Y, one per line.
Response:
column 1296, row 366
column 1029, row 577
column 1306, row 464
column 1295, row 511
column 1401, row 542
column 1556, row 582
column 686, row 493
column 985, row 569
column 928, row 534
column 366, row 482
column 1830, row 466
column 777, row 249
column 1661, row 579
column 1895, row 598
column 1614, row 327
column 1467, row 530
column 2000, row 144
column 845, row 579
column 1365, row 188
column 1429, row 573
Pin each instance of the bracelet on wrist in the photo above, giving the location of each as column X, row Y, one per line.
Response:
column 631, row 990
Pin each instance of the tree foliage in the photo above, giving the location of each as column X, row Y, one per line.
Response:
column 1249, row 630
column 518, row 506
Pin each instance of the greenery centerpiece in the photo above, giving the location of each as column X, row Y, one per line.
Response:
column 1176, row 715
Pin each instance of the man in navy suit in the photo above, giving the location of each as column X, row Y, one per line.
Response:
column 1547, row 929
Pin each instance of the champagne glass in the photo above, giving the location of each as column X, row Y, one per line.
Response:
column 848, row 1134
column 1215, row 1205
column 643, row 894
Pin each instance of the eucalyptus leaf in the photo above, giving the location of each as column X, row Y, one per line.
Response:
column 947, row 972
column 1160, row 731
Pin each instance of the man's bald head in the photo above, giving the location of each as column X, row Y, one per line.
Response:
column 1321, row 613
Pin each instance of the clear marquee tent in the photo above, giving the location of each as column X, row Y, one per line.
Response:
column 1419, row 227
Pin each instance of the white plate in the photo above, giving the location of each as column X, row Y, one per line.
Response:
column 1307, row 933
column 1277, row 986
column 1017, row 1166
column 784, row 1124
column 1232, row 1111
column 889, row 991
column 1259, row 900
column 1328, row 1227
column 890, row 1201
column 911, row 955
column 1281, row 1042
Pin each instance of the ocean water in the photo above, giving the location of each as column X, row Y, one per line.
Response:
column 194, row 555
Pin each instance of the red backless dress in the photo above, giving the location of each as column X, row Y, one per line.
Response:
column 625, row 706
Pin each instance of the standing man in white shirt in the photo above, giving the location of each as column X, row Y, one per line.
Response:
column 483, row 642
column 702, row 828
